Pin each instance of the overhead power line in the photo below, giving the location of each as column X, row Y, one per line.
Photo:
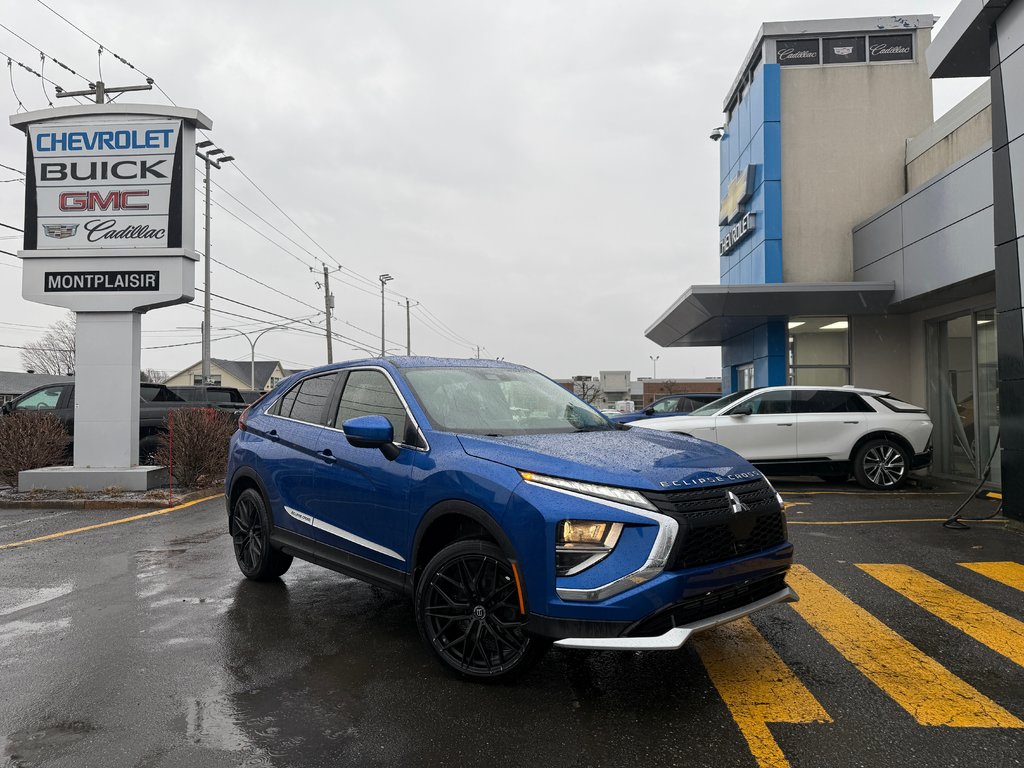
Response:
column 45, row 55
column 352, row 274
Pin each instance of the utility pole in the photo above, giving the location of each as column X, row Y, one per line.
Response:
column 211, row 159
column 384, row 280
column 328, row 308
column 99, row 90
column 408, row 328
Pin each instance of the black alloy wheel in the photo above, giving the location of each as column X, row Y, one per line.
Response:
column 250, row 536
column 881, row 465
column 467, row 609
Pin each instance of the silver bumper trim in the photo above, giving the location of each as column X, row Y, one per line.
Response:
column 677, row 636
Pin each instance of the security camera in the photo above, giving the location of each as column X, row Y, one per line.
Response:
column 717, row 133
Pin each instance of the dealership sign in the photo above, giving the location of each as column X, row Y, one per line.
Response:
column 100, row 185
column 110, row 206
column 732, row 211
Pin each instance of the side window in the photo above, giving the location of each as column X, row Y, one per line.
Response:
column 367, row 393
column 771, row 403
column 43, row 400
column 306, row 400
column 830, row 401
column 667, row 405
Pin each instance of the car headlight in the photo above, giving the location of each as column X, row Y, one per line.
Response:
column 579, row 544
column 606, row 492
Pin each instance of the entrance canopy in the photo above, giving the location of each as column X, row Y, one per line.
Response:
column 707, row 315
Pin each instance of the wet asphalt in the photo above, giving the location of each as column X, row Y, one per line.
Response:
column 140, row 644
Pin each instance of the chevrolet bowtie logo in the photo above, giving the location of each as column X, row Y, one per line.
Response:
column 735, row 505
column 741, row 188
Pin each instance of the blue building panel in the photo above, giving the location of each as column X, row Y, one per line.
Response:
column 754, row 137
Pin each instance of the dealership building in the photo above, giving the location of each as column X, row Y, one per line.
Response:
column 858, row 234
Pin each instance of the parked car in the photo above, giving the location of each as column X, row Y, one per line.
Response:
column 831, row 432
column 226, row 398
column 157, row 401
column 672, row 405
column 510, row 511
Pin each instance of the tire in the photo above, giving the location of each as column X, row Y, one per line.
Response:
column 249, row 526
column 881, row 465
column 467, row 611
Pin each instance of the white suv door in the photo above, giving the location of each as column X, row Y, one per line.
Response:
column 760, row 428
column 829, row 422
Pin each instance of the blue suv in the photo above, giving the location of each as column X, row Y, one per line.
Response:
column 514, row 514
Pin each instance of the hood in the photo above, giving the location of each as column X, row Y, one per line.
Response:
column 635, row 458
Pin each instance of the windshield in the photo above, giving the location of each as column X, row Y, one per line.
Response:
column 500, row 401
column 723, row 402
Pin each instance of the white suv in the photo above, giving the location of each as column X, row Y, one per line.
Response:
column 830, row 432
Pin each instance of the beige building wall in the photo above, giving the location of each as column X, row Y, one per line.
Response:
column 854, row 121
column 954, row 137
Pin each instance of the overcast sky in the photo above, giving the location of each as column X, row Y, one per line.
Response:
column 536, row 175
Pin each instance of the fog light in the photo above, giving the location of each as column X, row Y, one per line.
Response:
column 581, row 544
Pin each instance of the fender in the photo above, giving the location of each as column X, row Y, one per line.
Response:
column 250, row 474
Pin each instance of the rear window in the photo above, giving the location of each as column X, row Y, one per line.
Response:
column 898, row 405
column 305, row 401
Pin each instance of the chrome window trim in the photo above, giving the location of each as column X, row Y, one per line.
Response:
column 656, row 561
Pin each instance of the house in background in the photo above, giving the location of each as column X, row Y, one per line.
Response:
column 610, row 387
column 14, row 384
column 262, row 376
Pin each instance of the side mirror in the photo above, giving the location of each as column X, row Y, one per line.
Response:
column 372, row 432
column 6, row 408
column 741, row 410
column 649, row 412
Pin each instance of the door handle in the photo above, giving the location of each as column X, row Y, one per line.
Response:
column 851, row 422
column 787, row 424
column 327, row 456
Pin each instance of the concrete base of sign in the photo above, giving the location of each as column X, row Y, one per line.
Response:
column 92, row 478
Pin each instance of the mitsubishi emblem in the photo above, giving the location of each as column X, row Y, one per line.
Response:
column 735, row 505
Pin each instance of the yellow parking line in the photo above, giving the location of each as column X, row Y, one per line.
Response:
column 924, row 688
column 876, row 522
column 1010, row 574
column 890, row 494
column 1003, row 634
column 108, row 523
column 757, row 686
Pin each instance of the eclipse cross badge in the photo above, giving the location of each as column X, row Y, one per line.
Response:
column 735, row 505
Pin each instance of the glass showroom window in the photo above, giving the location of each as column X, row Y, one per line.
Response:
column 819, row 351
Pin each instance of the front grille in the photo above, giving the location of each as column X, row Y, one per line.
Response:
column 702, row 607
column 709, row 532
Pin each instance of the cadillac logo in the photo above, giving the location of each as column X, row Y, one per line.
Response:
column 60, row 231
column 843, row 50
column 735, row 505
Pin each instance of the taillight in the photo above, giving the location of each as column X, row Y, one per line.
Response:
column 245, row 413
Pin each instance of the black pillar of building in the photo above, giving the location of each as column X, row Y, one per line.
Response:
column 1010, row 326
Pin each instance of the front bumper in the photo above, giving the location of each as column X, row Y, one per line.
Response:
column 675, row 637
column 921, row 460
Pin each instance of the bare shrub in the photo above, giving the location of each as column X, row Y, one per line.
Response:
column 195, row 445
column 30, row 440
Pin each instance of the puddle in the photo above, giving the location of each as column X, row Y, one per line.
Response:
column 25, row 749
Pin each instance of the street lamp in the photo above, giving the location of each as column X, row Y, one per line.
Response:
column 212, row 157
column 654, row 360
column 384, row 280
column 252, row 345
